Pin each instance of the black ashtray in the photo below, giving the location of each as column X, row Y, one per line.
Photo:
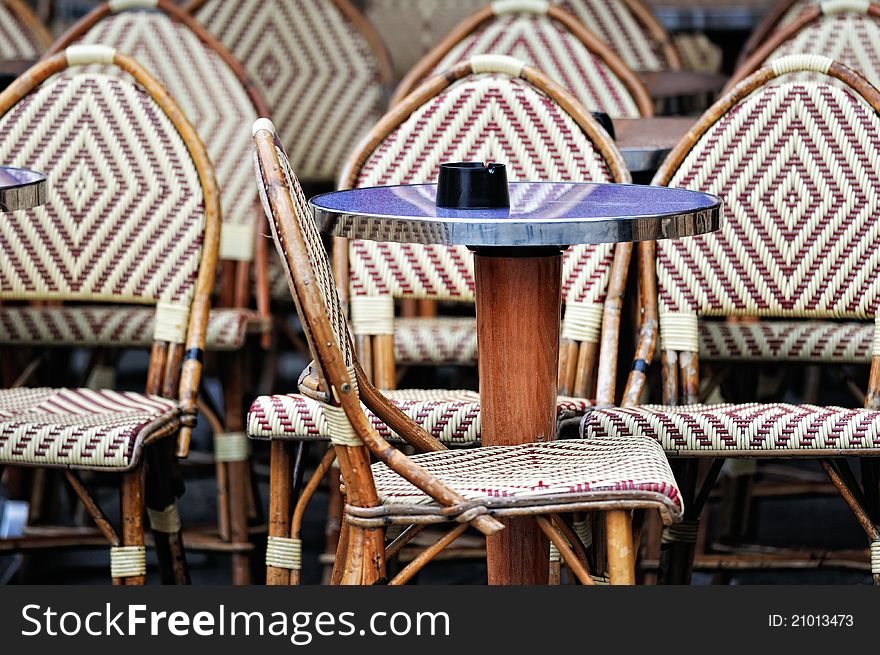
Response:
column 472, row 185
column 605, row 121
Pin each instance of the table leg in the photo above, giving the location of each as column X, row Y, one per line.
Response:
column 518, row 317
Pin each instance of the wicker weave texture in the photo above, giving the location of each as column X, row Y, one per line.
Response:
column 453, row 417
column 616, row 25
column 849, row 38
column 79, row 428
column 481, row 118
column 317, row 253
column 121, row 327
column 751, row 430
column 550, row 47
column 17, row 39
column 205, row 87
column 578, row 468
column 313, row 66
column 125, row 213
column 796, row 165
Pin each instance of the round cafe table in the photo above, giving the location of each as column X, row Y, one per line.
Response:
column 21, row 188
column 518, row 275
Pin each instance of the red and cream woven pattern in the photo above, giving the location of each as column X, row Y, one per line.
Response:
column 410, row 28
column 791, row 341
column 317, row 253
column 614, row 23
column 489, row 117
column 546, row 44
column 17, row 40
column 453, row 417
column 79, row 428
column 313, row 66
column 848, row 38
column 122, row 327
column 432, row 341
column 559, row 471
column 698, row 53
column 124, row 216
column 749, row 430
column 796, row 166
column 211, row 96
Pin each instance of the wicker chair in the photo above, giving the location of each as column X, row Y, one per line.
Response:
column 553, row 41
column 218, row 97
column 132, row 217
column 783, row 13
column 410, row 28
column 794, row 162
column 847, row 31
column 22, row 34
column 439, row 486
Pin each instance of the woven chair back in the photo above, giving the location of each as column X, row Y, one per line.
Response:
column 319, row 64
column 631, row 29
column 847, row 31
column 551, row 40
column 207, row 83
column 476, row 112
column 132, row 202
column 795, row 164
column 22, row 35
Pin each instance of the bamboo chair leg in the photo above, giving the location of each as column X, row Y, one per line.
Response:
column 571, row 560
column 584, row 381
column 131, row 507
column 161, row 502
column 279, row 505
column 303, row 500
column 402, row 540
column 621, row 553
column 384, row 373
column 333, row 530
column 427, row 555
column 341, row 553
column 849, row 497
column 237, row 473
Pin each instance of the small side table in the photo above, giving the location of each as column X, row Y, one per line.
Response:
column 518, row 274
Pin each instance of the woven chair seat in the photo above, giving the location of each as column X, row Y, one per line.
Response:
column 747, row 430
column 559, row 472
column 79, row 428
column 120, row 327
column 453, row 417
column 805, row 341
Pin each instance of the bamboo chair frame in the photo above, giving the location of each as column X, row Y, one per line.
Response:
column 805, row 19
column 175, row 368
column 39, row 31
column 655, row 30
column 680, row 369
column 235, row 290
column 361, row 554
column 577, row 360
column 765, row 29
column 417, row 76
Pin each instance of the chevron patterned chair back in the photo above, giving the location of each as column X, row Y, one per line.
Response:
column 631, row 29
column 216, row 95
column 781, row 14
column 22, row 34
column 477, row 483
column 795, row 164
column 847, row 31
column 489, row 109
column 319, row 64
column 550, row 39
column 132, row 217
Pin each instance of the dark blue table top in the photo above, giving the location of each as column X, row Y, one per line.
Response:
column 541, row 214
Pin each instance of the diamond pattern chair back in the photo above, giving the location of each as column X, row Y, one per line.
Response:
column 488, row 109
column 132, row 215
column 794, row 162
column 550, row 39
column 319, row 64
